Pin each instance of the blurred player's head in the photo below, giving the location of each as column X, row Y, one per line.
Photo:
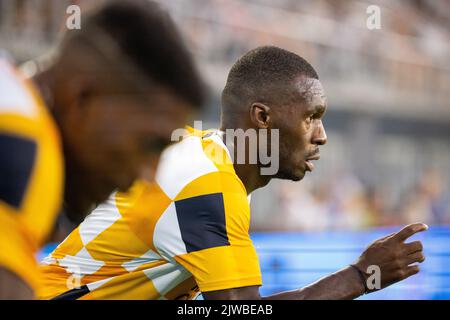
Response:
column 271, row 88
column 118, row 88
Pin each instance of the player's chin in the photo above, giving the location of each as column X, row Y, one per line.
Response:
column 293, row 175
column 299, row 176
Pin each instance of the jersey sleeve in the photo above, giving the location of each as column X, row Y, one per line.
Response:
column 17, row 158
column 211, row 239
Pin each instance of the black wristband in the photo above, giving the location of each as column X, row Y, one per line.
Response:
column 362, row 276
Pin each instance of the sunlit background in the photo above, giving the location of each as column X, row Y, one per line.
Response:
column 387, row 161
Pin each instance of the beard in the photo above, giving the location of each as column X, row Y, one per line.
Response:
column 292, row 175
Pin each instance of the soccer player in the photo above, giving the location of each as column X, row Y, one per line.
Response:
column 189, row 231
column 104, row 107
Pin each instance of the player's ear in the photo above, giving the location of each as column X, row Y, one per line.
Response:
column 84, row 92
column 260, row 115
column 74, row 98
column 75, row 94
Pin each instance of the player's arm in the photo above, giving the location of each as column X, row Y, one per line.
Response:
column 13, row 287
column 344, row 284
column 391, row 254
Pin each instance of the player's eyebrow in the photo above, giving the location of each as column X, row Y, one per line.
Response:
column 317, row 109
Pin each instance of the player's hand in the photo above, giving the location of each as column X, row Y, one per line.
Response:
column 396, row 259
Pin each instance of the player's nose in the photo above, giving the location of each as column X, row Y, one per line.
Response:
column 320, row 135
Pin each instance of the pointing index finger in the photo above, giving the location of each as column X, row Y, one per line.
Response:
column 409, row 230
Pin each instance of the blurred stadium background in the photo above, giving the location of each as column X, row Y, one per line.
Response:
column 387, row 162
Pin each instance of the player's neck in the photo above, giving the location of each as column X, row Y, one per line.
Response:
column 248, row 173
column 250, row 176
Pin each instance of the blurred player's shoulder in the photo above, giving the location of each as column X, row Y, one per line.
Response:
column 20, row 100
column 15, row 97
column 31, row 172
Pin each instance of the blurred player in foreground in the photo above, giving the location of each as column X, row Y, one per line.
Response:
column 191, row 227
column 108, row 103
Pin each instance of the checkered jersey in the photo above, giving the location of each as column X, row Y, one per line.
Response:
column 167, row 240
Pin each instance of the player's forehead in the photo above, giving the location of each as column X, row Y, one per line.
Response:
column 310, row 87
column 312, row 92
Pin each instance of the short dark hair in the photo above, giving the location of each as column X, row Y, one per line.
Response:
column 262, row 75
column 145, row 33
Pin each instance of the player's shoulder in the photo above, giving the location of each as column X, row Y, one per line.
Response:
column 24, row 119
column 192, row 158
column 16, row 96
column 29, row 143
